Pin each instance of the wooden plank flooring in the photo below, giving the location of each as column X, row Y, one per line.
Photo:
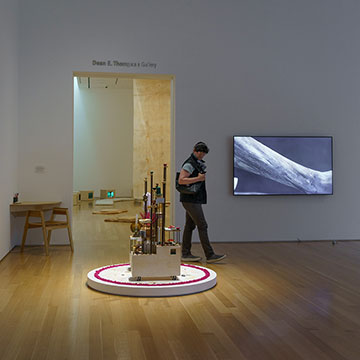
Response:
column 280, row 301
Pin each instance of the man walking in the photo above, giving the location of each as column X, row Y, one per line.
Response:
column 193, row 170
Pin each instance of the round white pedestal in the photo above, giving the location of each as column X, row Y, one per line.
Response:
column 115, row 279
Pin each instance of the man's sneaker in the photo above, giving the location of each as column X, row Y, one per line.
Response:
column 190, row 257
column 215, row 258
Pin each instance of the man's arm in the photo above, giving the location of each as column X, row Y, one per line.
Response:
column 184, row 178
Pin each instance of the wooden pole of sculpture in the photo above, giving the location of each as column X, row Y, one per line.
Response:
column 145, row 198
column 163, row 208
column 151, row 208
column 156, row 224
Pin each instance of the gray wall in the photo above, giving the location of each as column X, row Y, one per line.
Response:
column 242, row 67
column 8, row 118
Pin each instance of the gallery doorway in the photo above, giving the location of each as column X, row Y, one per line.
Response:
column 123, row 129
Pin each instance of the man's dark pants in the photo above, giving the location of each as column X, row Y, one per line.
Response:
column 195, row 217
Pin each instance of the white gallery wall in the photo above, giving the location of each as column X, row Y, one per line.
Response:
column 103, row 139
column 8, row 118
column 242, row 67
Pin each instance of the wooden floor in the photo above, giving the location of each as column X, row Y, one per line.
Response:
column 273, row 301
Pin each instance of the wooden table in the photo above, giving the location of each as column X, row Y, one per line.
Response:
column 20, row 208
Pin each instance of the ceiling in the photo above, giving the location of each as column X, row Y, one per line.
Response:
column 104, row 83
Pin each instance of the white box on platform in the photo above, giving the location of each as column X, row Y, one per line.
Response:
column 86, row 195
column 76, row 197
column 107, row 193
column 165, row 263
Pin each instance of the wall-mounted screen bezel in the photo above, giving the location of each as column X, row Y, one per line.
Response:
column 282, row 165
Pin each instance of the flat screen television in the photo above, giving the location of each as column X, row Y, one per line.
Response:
column 283, row 165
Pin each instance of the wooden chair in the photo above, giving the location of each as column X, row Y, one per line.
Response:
column 47, row 226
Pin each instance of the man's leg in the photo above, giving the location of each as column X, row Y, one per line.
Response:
column 187, row 234
column 196, row 214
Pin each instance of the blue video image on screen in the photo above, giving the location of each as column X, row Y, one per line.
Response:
column 281, row 165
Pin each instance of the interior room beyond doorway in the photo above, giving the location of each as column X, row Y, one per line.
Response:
column 122, row 131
